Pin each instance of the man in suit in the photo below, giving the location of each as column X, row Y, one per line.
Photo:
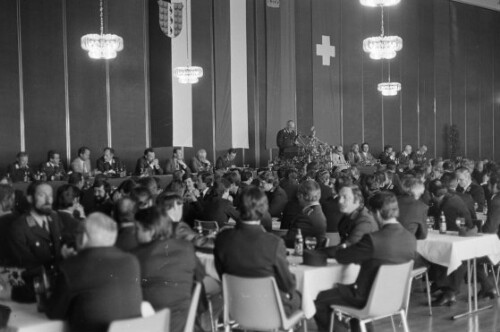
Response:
column 338, row 158
column 419, row 157
column 276, row 196
column 81, row 164
column 20, row 170
column 290, row 184
column 249, row 251
column 108, row 163
column 200, row 163
column 323, row 179
column 492, row 224
column 204, row 182
column 98, row 285
column 7, row 217
column 226, row 161
column 217, row 207
column 311, row 220
column 392, row 244
column 286, row 137
column 387, row 157
column 357, row 221
column 53, row 168
column 176, row 163
column 465, row 185
column 35, row 239
column 124, row 214
column 405, row 156
column 148, row 164
column 412, row 211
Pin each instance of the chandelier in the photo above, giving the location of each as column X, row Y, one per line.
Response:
column 382, row 47
column 102, row 46
column 376, row 3
column 188, row 74
column 389, row 88
column 273, row 3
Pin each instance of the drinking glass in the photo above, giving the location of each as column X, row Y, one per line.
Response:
column 310, row 242
column 430, row 223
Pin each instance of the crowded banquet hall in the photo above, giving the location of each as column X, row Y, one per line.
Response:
column 249, row 165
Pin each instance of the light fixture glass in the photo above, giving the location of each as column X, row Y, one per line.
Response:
column 273, row 3
column 382, row 47
column 102, row 46
column 376, row 3
column 188, row 74
column 389, row 88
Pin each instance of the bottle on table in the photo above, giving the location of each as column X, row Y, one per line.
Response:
column 299, row 243
column 442, row 224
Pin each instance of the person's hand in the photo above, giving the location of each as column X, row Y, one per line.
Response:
column 67, row 251
column 155, row 163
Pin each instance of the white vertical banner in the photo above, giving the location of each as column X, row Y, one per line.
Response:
column 239, row 89
column 182, row 94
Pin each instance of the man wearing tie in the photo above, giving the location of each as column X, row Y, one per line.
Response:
column 286, row 137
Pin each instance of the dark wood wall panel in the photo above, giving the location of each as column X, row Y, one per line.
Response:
column 43, row 76
column 127, row 81
column 160, row 76
column 303, row 59
column 253, row 103
column 222, row 72
column 261, row 70
column 87, row 81
column 442, row 72
column 351, row 55
column 372, row 76
column 391, row 106
column 9, row 85
column 496, row 91
column 426, row 74
column 409, row 71
column 203, row 133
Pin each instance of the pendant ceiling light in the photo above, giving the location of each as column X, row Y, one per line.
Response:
column 273, row 3
column 188, row 74
column 382, row 47
column 389, row 88
column 102, row 46
column 376, row 3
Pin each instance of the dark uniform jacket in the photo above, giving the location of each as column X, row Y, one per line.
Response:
column 220, row 210
column 53, row 172
column 477, row 193
column 277, row 201
column 104, row 166
column 249, row 251
column 96, row 287
column 168, row 272
column 18, row 174
column 311, row 221
column 352, row 227
column 285, row 139
column 173, row 165
column 126, row 240
column 453, row 207
column 492, row 224
column 143, row 164
column 392, row 244
column 413, row 215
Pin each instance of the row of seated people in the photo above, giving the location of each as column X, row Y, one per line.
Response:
column 109, row 164
column 354, row 221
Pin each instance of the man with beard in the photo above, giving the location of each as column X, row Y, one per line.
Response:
column 102, row 201
column 35, row 239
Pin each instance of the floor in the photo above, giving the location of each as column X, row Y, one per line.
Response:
column 420, row 321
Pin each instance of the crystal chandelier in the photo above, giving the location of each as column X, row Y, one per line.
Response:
column 376, row 3
column 102, row 46
column 188, row 74
column 273, row 3
column 382, row 47
column 389, row 88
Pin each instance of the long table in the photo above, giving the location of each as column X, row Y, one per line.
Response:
column 114, row 182
column 450, row 250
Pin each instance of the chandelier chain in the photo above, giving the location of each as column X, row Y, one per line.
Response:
column 382, row 20
column 102, row 17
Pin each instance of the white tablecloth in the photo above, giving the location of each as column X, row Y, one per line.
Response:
column 311, row 280
column 450, row 249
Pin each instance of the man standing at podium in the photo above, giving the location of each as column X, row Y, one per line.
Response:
column 286, row 137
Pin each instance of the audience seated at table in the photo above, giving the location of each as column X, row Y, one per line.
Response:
column 204, row 182
column 311, row 220
column 357, row 221
column 169, row 266
column 98, row 285
column 218, row 207
column 70, row 212
column 412, row 211
column 492, row 224
column 392, row 244
column 276, row 196
column 290, row 183
column 102, row 197
column 7, row 217
column 466, row 185
column 249, row 251
column 124, row 214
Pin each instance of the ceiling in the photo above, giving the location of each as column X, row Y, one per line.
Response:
column 490, row 4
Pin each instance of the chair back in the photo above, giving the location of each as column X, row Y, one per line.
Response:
column 254, row 303
column 389, row 290
column 333, row 239
column 159, row 322
column 195, row 298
